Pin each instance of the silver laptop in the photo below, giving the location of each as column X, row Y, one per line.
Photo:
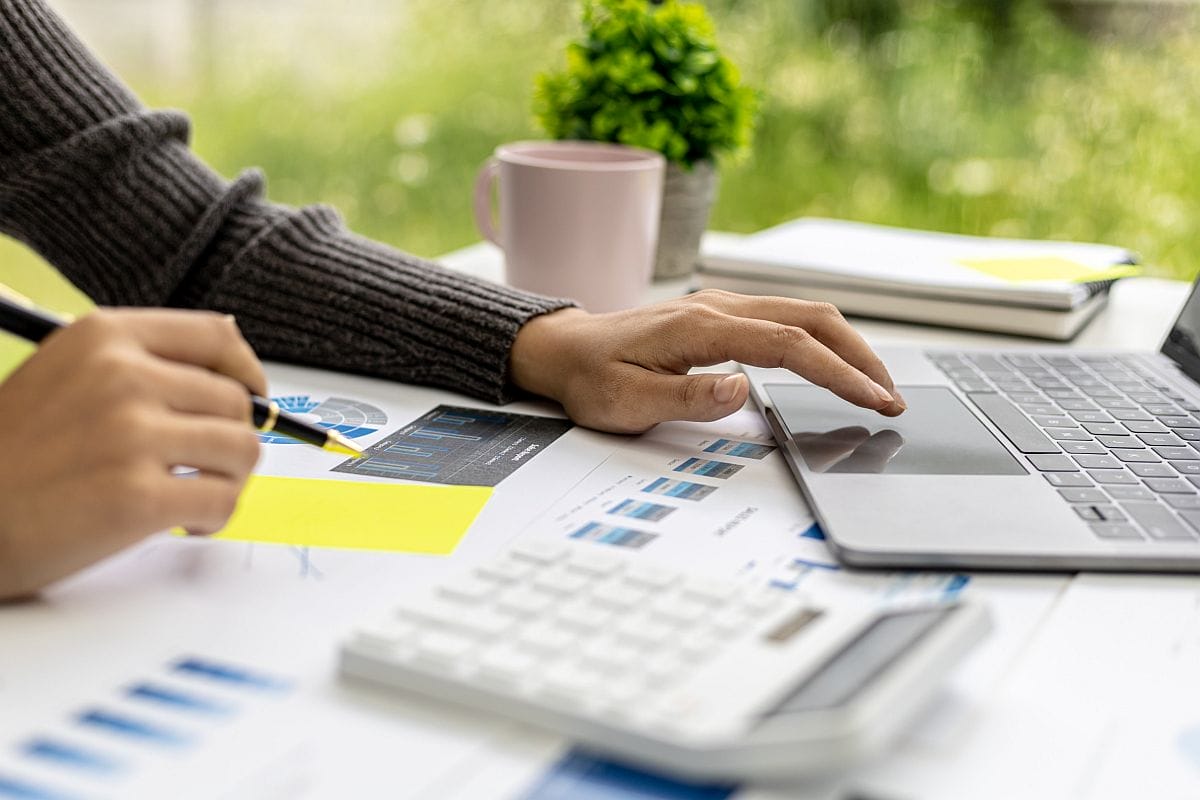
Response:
column 1021, row 459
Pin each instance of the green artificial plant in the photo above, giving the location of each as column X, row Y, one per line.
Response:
column 649, row 75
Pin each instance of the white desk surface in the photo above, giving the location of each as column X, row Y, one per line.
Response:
column 1100, row 702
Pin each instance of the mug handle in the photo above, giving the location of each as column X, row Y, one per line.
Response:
column 483, row 200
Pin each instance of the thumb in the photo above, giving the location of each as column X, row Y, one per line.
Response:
column 701, row 397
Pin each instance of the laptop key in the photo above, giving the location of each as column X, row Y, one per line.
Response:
column 1134, row 493
column 1156, row 520
column 1130, row 414
column 1054, row 463
column 1084, row 448
column 1161, row 439
column 1191, row 518
column 1015, row 426
column 1160, row 410
column 1103, row 428
column 1120, row 442
column 1090, row 496
column 1156, row 470
column 1097, row 462
column 1037, row 410
column 1090, row 416
column 1054, row 421
column 1145, row 427
column 1177, row 453
column 1137, row 456
column 1188, row 434
column 1113, row 476
column 1115, row 530
column 1069, row 434
column 1179, row 422
column 1027, row 397
column 1187, row 467
column 1170, row 486
column 1187, row 501
column 1078, row 405
column 1115, row 402
column 1067, row 479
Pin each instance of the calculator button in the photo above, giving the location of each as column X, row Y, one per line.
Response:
column 560, row 582
column 539, row 552
column 508, row 664
column 524, row 602
column 708, row 590
column 583, row 617
column 441, row 649
column 618, row 596
column 677, row 611
column 545, row 638
column 467, row 589
column 598, row 564
column 503, row 571
column 650, row 576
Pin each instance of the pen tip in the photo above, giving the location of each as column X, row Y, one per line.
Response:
column 340, row 444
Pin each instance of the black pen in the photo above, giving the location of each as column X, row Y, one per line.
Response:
column 20, row 317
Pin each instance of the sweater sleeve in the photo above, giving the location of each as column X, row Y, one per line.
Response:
column 110, row 194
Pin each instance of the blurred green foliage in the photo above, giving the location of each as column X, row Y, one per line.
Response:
column 927, row 113
column 650, row 76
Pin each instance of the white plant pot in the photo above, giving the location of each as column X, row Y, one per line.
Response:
column 687, row 201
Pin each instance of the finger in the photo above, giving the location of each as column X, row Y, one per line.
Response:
column 825, row 323
column 202, row 338
column 763, row 343
column 201, row 504
column 213, row 446
column 701, row 397
column 194, row 390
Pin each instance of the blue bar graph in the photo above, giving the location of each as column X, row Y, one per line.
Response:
column 709, row 469
column 730, row 447
column 609, row 534
column 224, row 673
column 813, row 532
column 132, row 728
column 684, row 490
column 13, row 789
column 640, row 510
column 579, row 776
column 175, row 699
column 70, row 755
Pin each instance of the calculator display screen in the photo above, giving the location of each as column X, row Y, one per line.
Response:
column 858, row 663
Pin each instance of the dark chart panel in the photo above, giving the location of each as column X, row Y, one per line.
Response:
column 462, row 446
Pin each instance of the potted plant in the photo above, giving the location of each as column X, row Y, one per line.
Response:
column 650, row 75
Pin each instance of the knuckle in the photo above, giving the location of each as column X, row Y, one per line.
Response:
column 718, row 298
column 826, row 311
column 687, row 391
column 247, row 450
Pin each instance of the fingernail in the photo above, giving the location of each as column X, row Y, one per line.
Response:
column 899, row 399
column 725, row 389
column 884, row 397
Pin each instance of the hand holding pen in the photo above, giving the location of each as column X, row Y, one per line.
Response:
column 95, row 423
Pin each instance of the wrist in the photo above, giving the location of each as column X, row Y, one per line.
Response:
column 540, row 359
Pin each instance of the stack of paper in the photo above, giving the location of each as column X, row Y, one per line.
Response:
column 1035, row 288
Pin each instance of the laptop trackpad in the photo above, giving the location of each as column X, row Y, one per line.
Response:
column 937, row 435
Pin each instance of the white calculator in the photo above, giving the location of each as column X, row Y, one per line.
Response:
column 681, row 673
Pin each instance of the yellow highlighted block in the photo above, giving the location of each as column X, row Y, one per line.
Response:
column 398, row 518
column 1046, row 268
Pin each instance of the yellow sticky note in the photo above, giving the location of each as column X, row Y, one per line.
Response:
column 399, row 518
column 1046, row 268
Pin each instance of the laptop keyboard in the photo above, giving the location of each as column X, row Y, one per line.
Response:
column 1118, row 443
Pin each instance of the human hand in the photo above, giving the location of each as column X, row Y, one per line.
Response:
column 628, row 370
column 95, row 422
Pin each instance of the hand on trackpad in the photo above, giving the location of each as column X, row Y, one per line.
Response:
column 938, row 435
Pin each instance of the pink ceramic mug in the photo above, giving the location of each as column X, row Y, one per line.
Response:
column 577, row 219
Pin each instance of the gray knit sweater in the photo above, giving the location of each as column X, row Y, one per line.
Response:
column 109, row 193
